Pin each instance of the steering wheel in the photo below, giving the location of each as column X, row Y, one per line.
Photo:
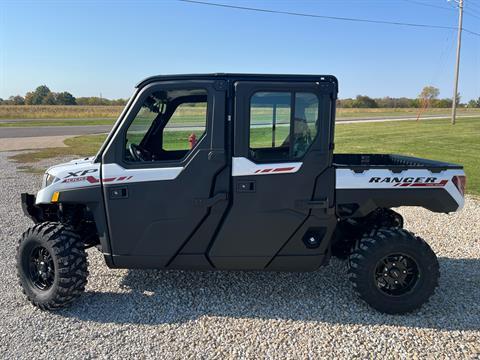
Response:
column 139, row 153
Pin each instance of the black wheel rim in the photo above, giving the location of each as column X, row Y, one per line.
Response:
column 396, row 274
column 41, row 268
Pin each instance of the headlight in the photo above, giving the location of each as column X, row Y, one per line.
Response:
column 48, row 179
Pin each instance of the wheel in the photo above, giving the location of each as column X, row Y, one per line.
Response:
column 393, row 271
column 51, row 265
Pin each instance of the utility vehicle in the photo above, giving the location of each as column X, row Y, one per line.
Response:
column 235, row 172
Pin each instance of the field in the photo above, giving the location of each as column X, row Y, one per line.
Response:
column 435, row 139
column 38, row 115
column 58, row 111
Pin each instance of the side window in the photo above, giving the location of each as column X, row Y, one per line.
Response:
column 270, row 114
column 276, row 132
column 168, row 126
column 305, row 123
column 191, row 116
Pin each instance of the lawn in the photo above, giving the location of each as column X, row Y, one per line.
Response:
column 434, row 139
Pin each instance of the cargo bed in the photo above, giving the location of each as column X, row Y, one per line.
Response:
column 361, row 162
column 367, row 181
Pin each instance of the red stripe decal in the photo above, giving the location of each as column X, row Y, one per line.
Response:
column 108, row 179
column 121, row 178
column 439, row 184
column 283, row 169
column 266, row 170
column 92, row 179
column 257, row 171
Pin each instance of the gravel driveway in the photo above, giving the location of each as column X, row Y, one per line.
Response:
column 175, row 314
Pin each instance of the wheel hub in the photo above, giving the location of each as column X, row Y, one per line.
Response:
column 42, row 268
column 396, row 274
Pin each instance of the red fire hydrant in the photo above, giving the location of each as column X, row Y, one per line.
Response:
column 192, row 139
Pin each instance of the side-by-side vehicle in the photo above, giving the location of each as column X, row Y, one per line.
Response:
column 235, row 172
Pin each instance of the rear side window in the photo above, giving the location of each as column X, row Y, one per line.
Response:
column 283, row 125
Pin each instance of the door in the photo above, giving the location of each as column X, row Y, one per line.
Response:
column 282, row 181
column 162, row 175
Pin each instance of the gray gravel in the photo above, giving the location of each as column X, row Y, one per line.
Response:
column 151, row 314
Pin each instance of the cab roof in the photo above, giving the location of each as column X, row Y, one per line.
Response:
column 238, row 77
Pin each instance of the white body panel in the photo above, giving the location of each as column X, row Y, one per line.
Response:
column 407, row 179
column 242, row 167
column 71, row 175
column 84, row 173
column 119, row 175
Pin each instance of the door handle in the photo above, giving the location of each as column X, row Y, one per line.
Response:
column 209, row 202
column 118, row 193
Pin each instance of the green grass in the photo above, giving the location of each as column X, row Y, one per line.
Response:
column 433, row 139
column 78, row 146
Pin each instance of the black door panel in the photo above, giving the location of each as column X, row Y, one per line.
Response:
column 266, row 211
column 151, row 226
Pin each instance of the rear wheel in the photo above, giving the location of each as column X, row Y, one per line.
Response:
column 394, row 271
column 51, row 265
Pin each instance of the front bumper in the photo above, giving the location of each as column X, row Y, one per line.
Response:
column 31, row 210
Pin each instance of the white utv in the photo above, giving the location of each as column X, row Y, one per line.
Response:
column 235, row 172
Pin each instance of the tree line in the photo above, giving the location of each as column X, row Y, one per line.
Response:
column 428, row 97
column 42, row 95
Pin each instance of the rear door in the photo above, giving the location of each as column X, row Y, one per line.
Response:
column 165, row 175
column 282, row 181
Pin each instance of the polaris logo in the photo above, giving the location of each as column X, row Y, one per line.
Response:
column 425, row 180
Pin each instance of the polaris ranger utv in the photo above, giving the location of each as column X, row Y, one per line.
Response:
column 235, row 172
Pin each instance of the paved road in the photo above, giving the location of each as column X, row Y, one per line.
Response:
column 15, row 132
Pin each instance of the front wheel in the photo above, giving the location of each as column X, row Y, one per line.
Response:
column 394, row 271
column 51, row 265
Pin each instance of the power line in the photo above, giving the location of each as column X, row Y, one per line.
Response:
column 471, row 14
column 325, row 16
column 429, row 5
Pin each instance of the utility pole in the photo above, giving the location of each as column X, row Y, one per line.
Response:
column 457, row 66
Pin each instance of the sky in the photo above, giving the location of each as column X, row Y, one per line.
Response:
column 106, row 47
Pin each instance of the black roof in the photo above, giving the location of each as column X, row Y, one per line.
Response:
column 233, row 76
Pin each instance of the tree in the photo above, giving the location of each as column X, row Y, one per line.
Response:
column 49, row 99
column 474, row 103
column 38, row 96
column 16, row 100
column 429, row 93
column 364, row 102
column 65, row 98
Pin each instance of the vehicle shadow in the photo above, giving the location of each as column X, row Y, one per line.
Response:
column 158, row 297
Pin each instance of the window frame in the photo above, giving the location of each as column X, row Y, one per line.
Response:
column 293, row 93
column 120, row 135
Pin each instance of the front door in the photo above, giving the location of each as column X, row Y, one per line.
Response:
column 163, row 175
column 283, row 183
